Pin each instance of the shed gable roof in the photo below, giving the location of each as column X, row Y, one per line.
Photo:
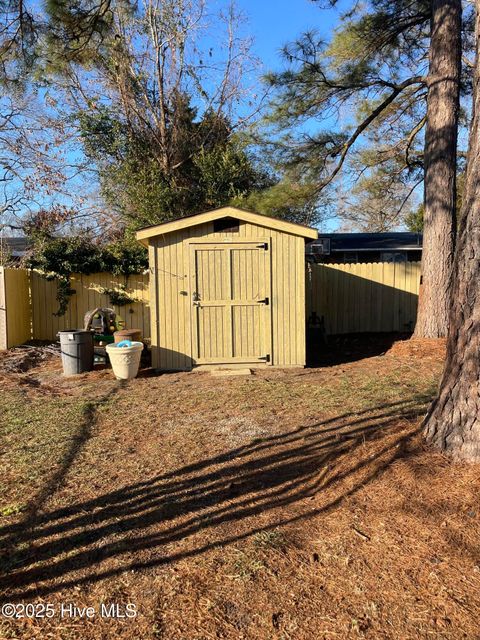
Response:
column 246, row 216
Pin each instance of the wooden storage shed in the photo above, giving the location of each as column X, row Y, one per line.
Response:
column 227, row 288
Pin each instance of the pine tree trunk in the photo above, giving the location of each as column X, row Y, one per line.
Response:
column 440, row 168
column 454, row 421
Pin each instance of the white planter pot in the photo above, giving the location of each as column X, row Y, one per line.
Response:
column 125, row 361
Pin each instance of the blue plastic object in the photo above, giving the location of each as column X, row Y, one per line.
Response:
column 125, row 343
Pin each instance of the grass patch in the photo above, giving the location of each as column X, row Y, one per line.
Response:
column 274, row 539
column 12, row 510
column 38, row 436
column 246, row 565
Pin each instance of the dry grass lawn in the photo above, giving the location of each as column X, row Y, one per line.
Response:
column 295, row 504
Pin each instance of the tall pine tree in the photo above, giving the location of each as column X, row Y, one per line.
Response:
column 369, row 88
column 440, row 167
column 453, row 423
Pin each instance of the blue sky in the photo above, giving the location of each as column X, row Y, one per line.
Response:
column 273, row 23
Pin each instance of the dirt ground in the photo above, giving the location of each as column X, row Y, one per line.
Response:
column 290, row 504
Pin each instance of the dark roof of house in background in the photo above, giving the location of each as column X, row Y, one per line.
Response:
column 339, row 242
column 17, row 246
column 393, row 241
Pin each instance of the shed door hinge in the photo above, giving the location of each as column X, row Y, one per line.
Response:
column 265, row 301
column 264, row 245
column 266, row 358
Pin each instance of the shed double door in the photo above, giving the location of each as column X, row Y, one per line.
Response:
column 231, row 302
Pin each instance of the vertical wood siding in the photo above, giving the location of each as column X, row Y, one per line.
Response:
column 356, row 298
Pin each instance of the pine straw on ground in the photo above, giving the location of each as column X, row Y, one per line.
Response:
column 290, row 504
column 423, row 348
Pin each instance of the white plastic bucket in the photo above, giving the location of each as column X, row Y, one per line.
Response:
column 125, row 361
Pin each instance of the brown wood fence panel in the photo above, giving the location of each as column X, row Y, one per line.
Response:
column 354, row 298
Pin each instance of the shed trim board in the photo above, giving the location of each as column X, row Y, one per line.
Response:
column 247, row 216
column 223, row 297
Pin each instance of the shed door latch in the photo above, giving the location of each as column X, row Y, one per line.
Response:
column 265, row 301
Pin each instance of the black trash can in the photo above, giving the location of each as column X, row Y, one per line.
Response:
column 77, row 351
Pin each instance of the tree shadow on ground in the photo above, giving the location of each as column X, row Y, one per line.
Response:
column 208, row 504
column 78, row 441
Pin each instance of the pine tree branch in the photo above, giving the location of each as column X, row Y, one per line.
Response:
column 365, row 124
column 411, row 138
column 405, row 200
column 469, row 63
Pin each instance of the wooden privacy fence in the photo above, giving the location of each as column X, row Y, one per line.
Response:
column 350, row 297
column 28, row 304
column 380, row 296
column 88, row 295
